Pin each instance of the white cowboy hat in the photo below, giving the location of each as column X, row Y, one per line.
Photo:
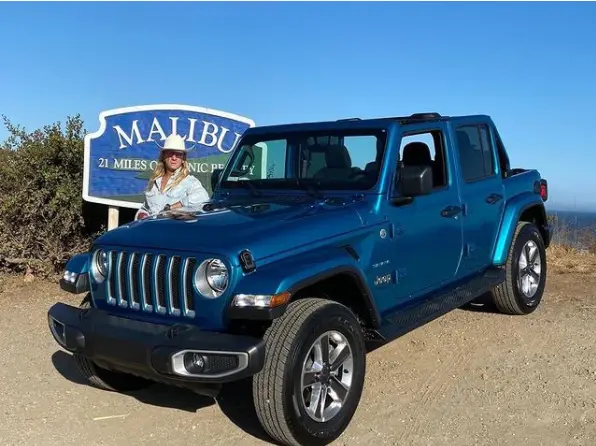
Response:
column 174, row 142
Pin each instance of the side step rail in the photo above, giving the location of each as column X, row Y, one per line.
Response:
column 407, row 319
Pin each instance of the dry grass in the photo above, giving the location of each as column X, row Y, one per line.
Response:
column 573, row 250
column 568, row 260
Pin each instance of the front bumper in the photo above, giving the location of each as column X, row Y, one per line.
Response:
column 163, row 353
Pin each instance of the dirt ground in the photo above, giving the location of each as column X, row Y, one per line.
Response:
column 472, row 377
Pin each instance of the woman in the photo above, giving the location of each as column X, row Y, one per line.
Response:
column 171, row 186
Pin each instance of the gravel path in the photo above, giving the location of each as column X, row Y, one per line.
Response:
column 472, row 377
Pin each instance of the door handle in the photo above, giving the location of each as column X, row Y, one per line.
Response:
column 451, row 211
column 494, row 198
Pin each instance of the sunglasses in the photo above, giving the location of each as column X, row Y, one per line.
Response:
column 172, row 154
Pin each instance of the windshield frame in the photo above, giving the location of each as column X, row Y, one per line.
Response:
column 298, row 184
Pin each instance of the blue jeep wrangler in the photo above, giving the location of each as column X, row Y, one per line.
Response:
column 321, row 241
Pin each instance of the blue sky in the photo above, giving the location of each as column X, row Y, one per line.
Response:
column 531, row 66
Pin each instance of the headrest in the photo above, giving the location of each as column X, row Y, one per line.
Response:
column 371, row 168
column 417, row 154
column 463, row 140
column 338, row 157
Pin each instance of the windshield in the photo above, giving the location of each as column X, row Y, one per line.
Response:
column 344, row 160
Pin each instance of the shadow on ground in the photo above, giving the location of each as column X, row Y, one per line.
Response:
column 235, row 400
column 482, row 304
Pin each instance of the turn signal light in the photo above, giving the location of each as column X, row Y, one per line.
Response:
column 261, row 300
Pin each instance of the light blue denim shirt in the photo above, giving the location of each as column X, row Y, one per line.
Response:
column 190, row 192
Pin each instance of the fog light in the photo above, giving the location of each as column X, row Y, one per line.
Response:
column 194, row 362
column 208, row 364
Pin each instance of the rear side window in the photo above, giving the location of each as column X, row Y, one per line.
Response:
column 475, row 152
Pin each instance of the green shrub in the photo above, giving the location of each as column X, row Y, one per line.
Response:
column 41, row 216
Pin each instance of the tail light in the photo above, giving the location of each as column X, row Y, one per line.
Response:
column 541, row 188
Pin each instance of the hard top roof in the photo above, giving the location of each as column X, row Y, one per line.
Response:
column 356, row 123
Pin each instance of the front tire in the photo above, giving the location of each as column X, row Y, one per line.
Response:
column 523, row 288
column 105, row 379
column 312, row 380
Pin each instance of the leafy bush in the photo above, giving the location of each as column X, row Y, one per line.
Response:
column 41, row 205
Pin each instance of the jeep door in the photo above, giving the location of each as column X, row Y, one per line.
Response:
column 482, row 190
column 428, row 249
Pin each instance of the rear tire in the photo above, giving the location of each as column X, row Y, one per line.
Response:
column 297, row 369
column 523, row 288
column 105, row 379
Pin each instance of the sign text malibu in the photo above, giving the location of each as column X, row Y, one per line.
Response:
column 210, row 133
column 121, row 155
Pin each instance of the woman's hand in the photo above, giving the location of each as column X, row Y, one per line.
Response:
column 176, row 205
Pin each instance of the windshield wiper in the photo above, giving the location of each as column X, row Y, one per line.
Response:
column 251, row 187
column 310, row 188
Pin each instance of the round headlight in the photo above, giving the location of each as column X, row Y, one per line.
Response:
column 99, row 266
column 211, row 278
column 102, row 262
column 217, row 275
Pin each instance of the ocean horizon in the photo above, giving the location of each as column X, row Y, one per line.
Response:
column 574, row 228
column 575, row 219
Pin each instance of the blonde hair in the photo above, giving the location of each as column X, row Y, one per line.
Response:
column 182, row 172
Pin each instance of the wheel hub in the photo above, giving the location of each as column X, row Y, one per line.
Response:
column 529, row 271
column 326, row 376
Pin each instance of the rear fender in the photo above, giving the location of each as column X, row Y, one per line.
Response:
column 529, row 206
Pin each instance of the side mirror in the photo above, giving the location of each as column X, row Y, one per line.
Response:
column 415, row 180
column 215, row 178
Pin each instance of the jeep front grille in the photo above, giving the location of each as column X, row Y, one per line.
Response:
column 153, row 283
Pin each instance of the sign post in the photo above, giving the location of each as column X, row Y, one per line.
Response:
column 121, row 155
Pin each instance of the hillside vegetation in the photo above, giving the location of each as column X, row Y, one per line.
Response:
column 44, row 220
column 573, row 251
column 41, row 208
